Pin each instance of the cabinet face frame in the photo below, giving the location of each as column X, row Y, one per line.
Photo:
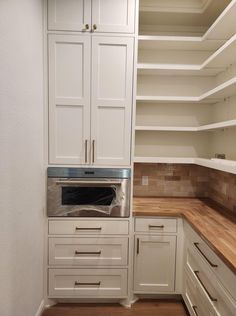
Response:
column 140, row 266
column 79, row 25
column 70, row 104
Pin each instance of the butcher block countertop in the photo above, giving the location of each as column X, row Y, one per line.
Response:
column 208, row 219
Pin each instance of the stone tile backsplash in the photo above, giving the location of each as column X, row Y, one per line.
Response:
column 177, row 180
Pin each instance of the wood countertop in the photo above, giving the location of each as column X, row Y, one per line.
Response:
column 208, row 219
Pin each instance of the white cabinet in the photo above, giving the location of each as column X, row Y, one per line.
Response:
column 154, row 264
column 112, row 71
column 69, row 98
column 213, row 281
column 90, row 117
column 91, row 262
column 113, row 16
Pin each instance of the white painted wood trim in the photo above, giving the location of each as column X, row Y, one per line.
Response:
column 40, row 309
column 217, row 164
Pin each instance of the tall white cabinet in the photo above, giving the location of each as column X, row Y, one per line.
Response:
column 90, row 82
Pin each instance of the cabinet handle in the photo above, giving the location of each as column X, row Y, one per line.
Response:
column 194, row 307
column 156, row 226
column 137, row 246
column 77, row 283
column 88, row 228
column 86, row 151
column 202, row 284
column 87, row 252
column 196, row 244
column 94, row 27
column 93, row 151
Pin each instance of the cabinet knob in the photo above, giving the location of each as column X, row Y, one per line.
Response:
column 94, row 27
column 86, row 27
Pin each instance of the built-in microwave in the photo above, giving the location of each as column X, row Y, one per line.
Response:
column 88, row 192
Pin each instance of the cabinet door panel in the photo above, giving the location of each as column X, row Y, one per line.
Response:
column 69, row 15
column 112, row 69
column 113, row 15
column 155, row 264
column 69, row 98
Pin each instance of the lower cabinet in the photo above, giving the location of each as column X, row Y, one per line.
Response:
column 154, row 264
column 209, row 286
column 88, row 263
column 155, row 255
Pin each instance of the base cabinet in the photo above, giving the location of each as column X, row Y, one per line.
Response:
column 90, row 263
column 154, row 264
column 207, row 281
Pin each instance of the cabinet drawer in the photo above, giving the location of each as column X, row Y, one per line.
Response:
column 216, row 265
column 213, row 291
column 194, row 298
column 83, row 227
column 87, row 283
column 88, row 251
column 156, row 225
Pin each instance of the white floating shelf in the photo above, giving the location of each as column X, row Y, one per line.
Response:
column 224, row 90
column 166, row 128
column 176, row 160
column 217, row 164
column 213, row 65
column 178, row 43
column 224, row 26
column 208, row 127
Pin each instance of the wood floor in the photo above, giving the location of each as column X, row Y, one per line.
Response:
column 141, row 308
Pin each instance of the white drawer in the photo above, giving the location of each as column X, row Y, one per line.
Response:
column 88, row 251
column 156, row 225
column 87, row 283
column 214, row 293
column 91, row 227
column 194, row 298
column 217, row 266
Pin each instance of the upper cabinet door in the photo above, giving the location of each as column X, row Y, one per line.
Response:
column 69, row 15
column 113, row 16
column 111, row 106
column 69, row 99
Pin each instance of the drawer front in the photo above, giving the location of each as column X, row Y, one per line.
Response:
column 213, row 291
column 88, row 251
column 83, row 227
column 194, row 299
column 87, row 283
column 156, row 225
column 216, row 265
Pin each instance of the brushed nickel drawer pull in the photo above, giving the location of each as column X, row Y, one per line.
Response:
column 196, row 244
column 86, row 151
column 87, row 252
column 77, row 283
column 156, row 226
column 202, row 284
column 88, row 228
column 195, row 309
column 93, row 151
column 137, row 246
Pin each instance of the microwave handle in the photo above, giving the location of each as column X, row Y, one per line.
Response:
column 59, row 182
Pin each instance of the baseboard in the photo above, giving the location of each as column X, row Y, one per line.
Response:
column 40, row 309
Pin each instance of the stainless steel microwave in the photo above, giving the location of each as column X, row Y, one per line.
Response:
column 88, row 192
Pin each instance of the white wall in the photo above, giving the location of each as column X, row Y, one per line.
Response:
column 21, row 157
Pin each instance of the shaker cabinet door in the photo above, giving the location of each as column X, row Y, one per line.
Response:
column 69, row 99
column 154, row 264
column 111, row 104
column 113, row 16
column 69, row 15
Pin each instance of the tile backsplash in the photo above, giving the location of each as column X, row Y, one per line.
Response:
column 185, row 180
